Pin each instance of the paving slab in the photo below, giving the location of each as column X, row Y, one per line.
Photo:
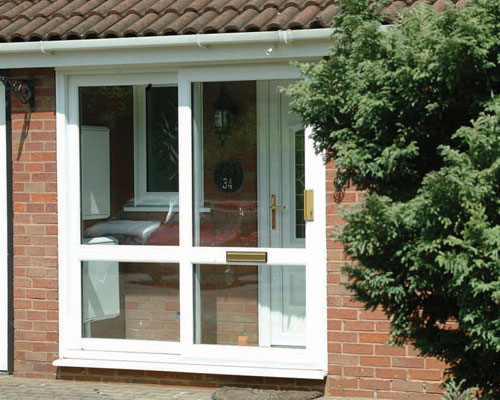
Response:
column 12, row 388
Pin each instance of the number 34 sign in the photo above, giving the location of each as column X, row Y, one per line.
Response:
column 228, row 176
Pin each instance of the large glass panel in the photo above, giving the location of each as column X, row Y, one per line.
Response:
column 250, row 150
column 250, row 305
column 129, row 165
column 130, row 300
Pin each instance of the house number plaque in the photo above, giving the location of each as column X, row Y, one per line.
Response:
column 228, row 176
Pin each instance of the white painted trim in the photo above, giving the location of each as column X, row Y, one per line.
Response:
column 4, row 275
column 316, row 277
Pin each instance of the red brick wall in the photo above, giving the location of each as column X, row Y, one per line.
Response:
column 35, row 230
column 359, row 362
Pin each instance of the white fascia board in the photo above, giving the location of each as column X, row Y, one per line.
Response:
column 169, row 50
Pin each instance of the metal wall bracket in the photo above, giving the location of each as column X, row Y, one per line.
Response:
column 23, row 89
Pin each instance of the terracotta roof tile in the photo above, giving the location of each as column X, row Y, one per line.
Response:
column 26, row 29
column 326, row 15
column 68, row 8
column 261, row 19
column 101, row 27
column 301, row 20
column 71, row 19
column 10, row 29
column 52, row 8
column 279, row 4
column 105, row 7
column 121, row 25
column 200, row 22
column 87, row 7
column 160, row 24
column 6, row 7
column 138, row 28
column 179, row 6
column 140, row 7
column 160, row 6
column 66, row 26
column 218, row 23
column 18, row 10
column 123, row 6
column 220, row 5
column 79, row 31
column 283, row 19
column 35, row 8
column 42, row 31
column 197, row 5
column 242, row 20
column 179, row 23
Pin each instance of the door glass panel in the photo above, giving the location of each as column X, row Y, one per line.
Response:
column 250, row 305
column 129, row 165
column 250, row 151
column 300, row 224
column 130, row 300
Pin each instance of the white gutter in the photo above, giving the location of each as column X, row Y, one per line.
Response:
column 200, row 40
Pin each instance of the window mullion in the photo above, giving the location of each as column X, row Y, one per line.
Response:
column 185, row 212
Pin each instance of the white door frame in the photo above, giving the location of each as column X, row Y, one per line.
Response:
column 4, row 274
column 183, row 356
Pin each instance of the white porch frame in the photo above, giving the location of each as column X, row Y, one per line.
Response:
column 183, row 356
column 4, row 274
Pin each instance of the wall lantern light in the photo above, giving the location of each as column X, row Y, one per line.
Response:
column 224, row 114
column 23, row 89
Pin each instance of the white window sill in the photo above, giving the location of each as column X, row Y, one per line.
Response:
column 160, row 208
column 156, row 207
column 199, row 366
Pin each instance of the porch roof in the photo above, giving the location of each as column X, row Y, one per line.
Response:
column 30, row 20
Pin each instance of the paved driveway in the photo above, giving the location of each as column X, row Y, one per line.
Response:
column 26, row 389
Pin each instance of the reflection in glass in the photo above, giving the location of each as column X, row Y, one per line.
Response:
column 130, row 300
column 129, row 182
column 162, row 139
column 228, row 305
column 250, row 305
column 250, row 190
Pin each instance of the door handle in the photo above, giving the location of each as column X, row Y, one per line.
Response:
column 273, row 208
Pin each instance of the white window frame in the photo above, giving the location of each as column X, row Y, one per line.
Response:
column 4, row 275
column 182, row 356
column 141, row 195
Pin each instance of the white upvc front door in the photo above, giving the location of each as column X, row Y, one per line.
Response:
column 4, row 292
column 282, row 305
